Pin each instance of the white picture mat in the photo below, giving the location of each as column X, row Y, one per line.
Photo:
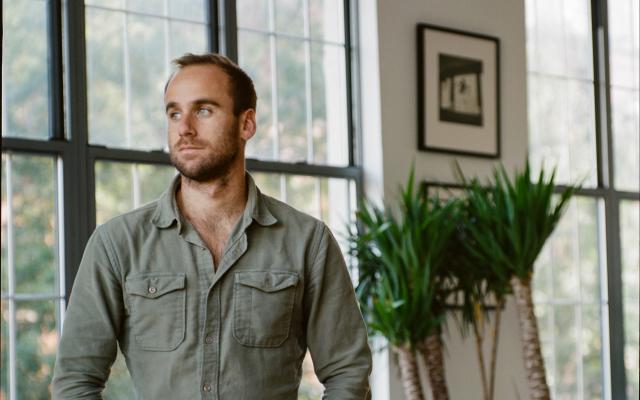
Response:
column 456, row 136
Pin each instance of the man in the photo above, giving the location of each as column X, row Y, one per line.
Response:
column 214, row 291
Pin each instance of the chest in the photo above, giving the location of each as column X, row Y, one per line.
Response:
column 215, row 238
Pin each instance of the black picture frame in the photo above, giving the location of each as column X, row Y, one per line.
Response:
column 458, row 91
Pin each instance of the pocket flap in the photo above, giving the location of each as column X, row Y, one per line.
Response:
column 153, row 286
column 267, row 281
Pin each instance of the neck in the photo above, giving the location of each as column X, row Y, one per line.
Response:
column 211, row 202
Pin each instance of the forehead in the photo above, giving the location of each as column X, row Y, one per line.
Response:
column 196, row 81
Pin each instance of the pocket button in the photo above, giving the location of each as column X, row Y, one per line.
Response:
column 152, row 290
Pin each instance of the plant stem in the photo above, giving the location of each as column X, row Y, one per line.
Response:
column 409, row 373
column 431, row 349
column 494, row 348
column 479, row 352
column 533, row 361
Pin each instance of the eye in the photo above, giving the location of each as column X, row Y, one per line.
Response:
column 173, row 115
column 203, row 112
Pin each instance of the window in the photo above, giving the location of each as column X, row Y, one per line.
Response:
column 83, row 137
column 583, row 118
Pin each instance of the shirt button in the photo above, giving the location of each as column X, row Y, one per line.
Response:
column 206, row 387
column 208, row 340
column 152, row 290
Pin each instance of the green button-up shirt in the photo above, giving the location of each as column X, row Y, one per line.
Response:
column 187, row 331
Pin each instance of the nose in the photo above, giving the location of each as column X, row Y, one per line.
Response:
column 185, row 126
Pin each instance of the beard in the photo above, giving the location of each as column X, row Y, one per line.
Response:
column 213, row 164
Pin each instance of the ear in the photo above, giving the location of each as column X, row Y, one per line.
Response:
column 247, row 124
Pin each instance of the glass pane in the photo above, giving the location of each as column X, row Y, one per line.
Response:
column 36, row 344
column 624, row 46
column 186, row 37
column 326, row 20
column 105, row 76
column 114, row 192
column 4, row 264
column 559, row 38
column 252, row 14
column 290, row 16
column 25, row 111
column 625, row 113
column 193, row 10
column 562, row 128
column 329, row 105
column 544, row 316
column 566, row 353
column 153, row 180
column 4, row 350
column 254, row 57
column 119, row 386
column 630, row 237
column 292, row 101
column 310, row 386
column 128, row 63
column 591, row 352
column 34, row 223
column 121, row 187
column 148, row 68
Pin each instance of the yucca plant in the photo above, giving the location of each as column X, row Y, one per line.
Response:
column 510, row 223
column 401, row 253
column 479, row 287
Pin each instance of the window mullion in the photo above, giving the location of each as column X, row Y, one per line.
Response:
column 54, row 48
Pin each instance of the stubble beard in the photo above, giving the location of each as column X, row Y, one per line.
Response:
column 217, row 165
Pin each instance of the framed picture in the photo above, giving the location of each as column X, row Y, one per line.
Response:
column 458, row 92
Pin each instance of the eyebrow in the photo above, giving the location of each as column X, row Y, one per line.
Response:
column 198, row 102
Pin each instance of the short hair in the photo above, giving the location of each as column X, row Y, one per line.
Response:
column 243, row 92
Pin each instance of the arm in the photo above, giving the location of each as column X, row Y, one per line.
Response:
column 88, row 345
column 336, row 333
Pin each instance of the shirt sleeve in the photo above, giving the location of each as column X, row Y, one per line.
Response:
column 88, row 346
column 336, row 332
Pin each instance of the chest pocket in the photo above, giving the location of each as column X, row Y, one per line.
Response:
column 157, row 310
column 263, row 307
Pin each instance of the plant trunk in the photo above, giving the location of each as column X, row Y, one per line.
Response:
column 409, row 373
column 431, row 349
column 494, row 348
column 478, row 327
column 533, row 361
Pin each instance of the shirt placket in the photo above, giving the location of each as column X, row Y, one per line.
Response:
column 212, row 318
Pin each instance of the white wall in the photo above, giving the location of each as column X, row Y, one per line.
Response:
column 389, row 123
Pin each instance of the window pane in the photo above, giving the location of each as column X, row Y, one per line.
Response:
column 37, row 340
column 625, row 92
column 34, row 223
column 569, row 299
column 128, row 62
column 25, row 92
column 299, row 70
column 562, row 128
column 290, row 16
column 121, row 187
column 255, row 57
column 292, row 101
column 4, row 350
column 630, row 237
column 252, row 14
column 4, row 264
column 329, row 102
column 326, row 20
column 559, row 38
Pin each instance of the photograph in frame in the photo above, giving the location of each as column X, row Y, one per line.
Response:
column 458, row 92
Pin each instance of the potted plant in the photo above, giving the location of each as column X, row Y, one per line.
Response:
column 401, row 253
column 509, row 223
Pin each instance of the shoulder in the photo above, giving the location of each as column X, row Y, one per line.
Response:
column 135, row 221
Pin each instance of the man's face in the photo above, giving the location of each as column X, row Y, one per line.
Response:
column 205, row 139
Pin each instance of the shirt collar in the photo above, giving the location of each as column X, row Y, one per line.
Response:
column 256, row 209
